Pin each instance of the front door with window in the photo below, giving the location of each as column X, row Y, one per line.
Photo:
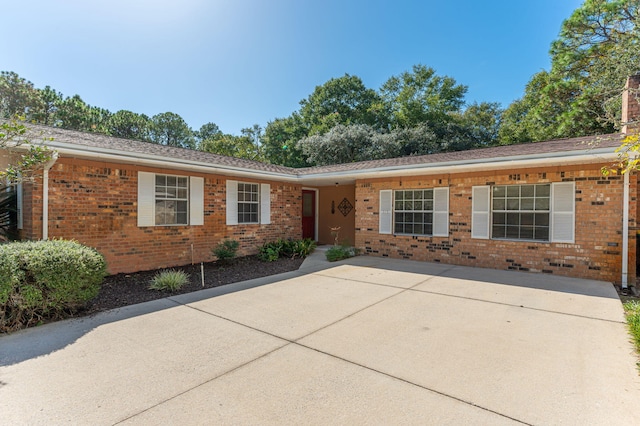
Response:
column 309, row 214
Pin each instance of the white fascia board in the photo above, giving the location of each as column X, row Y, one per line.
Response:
column 164, row 163
column 500, row 163
column 596, row 155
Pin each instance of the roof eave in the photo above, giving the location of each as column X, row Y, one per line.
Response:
column 594, row 155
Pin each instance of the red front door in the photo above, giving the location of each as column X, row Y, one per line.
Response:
column 309, row 214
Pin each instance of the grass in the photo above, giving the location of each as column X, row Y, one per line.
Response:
column 169, row 280
column 632, row 310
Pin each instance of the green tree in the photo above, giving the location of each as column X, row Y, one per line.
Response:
column 596, row 50
column 232, row 146
column 22, row 165
column 207, row 131
column 344, row 100
column 46, row 108
column 280, row 141
column 17, row 95
column 482, row 121
column 170, row 129
column 73, row 113
column 129, row 125
column 420, row 96
column 360, row 142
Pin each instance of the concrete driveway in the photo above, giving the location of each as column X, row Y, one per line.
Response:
column 366, row 341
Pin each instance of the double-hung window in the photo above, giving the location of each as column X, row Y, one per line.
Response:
column 248, row 203
column 521, row 212
column 414, row 212
column 533, row 212
column 166, row 200
column 172, row 200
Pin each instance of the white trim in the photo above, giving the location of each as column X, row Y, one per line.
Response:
column 232, row 202
column 196, row 201
column 45, row 195
column 583, row 156
column 624, row 281
column 265, row 204
column 481, row 212
column 441, row 212
column 562, row 211
column 146, row 199
column 385, row 212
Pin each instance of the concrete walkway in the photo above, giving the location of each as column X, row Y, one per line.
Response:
column 363, row 341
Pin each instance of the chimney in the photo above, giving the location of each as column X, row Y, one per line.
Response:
column 630, row 105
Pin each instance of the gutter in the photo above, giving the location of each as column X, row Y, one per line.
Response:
column 45, row 195
column 308, row 176
column 624, row 281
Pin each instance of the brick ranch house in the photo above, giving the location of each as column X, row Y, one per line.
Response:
column 540, row 207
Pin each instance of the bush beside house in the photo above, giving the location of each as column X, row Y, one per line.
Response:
column 44, row 280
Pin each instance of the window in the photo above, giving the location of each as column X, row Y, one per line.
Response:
column 165, row 200
column 248, row 202
column 536, row 212
column 413, row 212
column 172, row 200
column 520, row 212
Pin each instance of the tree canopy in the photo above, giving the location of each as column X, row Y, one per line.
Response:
column 595, row 52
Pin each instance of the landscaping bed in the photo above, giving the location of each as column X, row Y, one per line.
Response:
column 128, row 289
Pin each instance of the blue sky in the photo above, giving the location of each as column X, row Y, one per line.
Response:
column 242, row 62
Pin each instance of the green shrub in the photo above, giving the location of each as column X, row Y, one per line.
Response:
column 169, row 280
column 226, row 250
column 42, row 280
column 304, row 248
column 270, row 252
column 336, row 253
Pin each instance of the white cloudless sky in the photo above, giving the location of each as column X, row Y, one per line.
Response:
column 242, row 62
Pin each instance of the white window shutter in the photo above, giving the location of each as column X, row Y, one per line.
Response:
column 385, row 214
column 232, row 202
column 196, row 201
column 480, row 211
column 146, row 199
column 265, row 203
column 563, row 212
column 441, row 212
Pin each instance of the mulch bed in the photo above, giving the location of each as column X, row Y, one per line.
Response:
column 128, row 289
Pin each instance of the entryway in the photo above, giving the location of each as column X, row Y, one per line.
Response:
column 309, row 214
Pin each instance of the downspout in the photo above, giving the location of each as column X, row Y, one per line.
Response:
column 45, row 195
column 625, row 232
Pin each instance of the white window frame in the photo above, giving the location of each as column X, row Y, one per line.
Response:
column 534, row 210
column 396, row 210
column 562, row 215
column 440, row 212
column 165, row 189
column 147, row 200
column 263, row 203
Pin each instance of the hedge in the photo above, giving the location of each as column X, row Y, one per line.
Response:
column 46, row 280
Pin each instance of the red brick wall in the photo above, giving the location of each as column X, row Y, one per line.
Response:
column 596, row 253
column 96, row 204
